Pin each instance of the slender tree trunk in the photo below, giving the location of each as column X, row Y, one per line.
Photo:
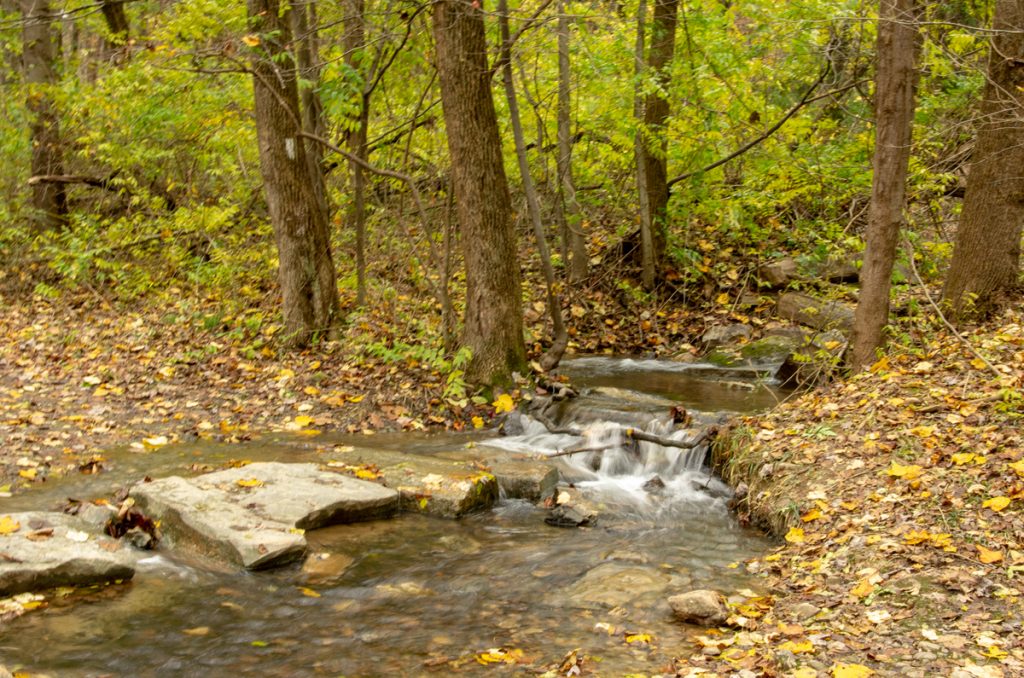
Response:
column 647, row 258
column 117, row 25
column 305, row 268
column 560, row 338
column 656, row 111
column 307, row 57
column 38, row 58
column 895, row 80
column 355, row 42
column 493, row 328
column 986, row 257
column 573, row 218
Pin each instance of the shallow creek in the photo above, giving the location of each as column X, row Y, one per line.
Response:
column 420, row 591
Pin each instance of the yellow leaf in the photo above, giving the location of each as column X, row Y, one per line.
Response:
column 987, row 555
column 862, row 590
column 503, row 404
column 639, row 638
column 309, row 592
column 906, row 472
column 963, row 458
column 250, row 482
column 251, row 40
column 303, row 420
column 478, row 422
column 28, row 473
column 367, row 474
column 154, row 442
column 916, row 537
column 9, row 525
column 356, row 399
column 722, row 299
column 840, row 670
column 813, row 514
column 978, row 364
column 996, row 652
column 996, row 503
column 795, row 535
column 311, row 390
column 1018, row 466
column 499, row 656
column 798, row 647
column 923, row 431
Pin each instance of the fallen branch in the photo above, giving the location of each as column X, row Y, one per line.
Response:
column 74, row 179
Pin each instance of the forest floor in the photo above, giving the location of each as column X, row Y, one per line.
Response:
column 896, row 495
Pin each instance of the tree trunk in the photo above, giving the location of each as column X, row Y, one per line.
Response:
column 117, row 23
column 307, row 58
column 305, row 268
column 986, row 257
column 656, row 110
column 560, row 338
column 571, row 213
column 895, row 80
column 493, row 328
column 647, row 263
column 354, row 42
column 38, row 54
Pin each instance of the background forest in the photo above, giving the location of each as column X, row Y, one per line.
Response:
column 132, row 168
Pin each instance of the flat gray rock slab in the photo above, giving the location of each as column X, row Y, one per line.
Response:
column 613, row 584
column 45, row 550
column 519, row 475
column 430, row 485
column 254, row 515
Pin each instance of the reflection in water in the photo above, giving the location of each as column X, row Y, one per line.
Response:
column 419, row 596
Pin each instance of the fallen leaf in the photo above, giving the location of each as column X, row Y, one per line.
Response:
column 840, row 670
column 795, row 535
column 309, row 592
column 906, row 472
column 988, row 556
column 503, row 403
column 996, row 503
column 798, row 647
column 9, row 525
column 250, row 482
column 197, row 631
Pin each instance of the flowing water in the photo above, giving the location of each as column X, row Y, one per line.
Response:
column 425, row 596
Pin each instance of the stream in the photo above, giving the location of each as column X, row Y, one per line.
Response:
column 425, row 596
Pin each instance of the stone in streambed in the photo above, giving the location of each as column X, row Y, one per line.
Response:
column 48, row 550
column 703, row 607
column 253, row 516
column 613, row 584
column 430, row 485
column 519, row 476
column 325, row 568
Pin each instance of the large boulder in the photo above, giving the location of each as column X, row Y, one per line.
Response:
column 778, row 273
column 817, row 313
column 45, row 550
column 254, row 515
column 722, row 335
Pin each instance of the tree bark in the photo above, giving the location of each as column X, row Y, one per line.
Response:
column 986, row 257
column 49, row 200
column 493, row 328
column 560, row 338
column 354, row 42
column 895, row 81
column 307, row 57
column 647, row 274
column 305, row 268
column 571, row 213
column 656, row 112
column 117, row 22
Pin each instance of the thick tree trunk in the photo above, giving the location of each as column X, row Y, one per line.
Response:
column 560, row 338
column 571, row 212
column 656, row 111
column 117, row 22
column 307, row 57
column 895, row 80
column 648, row 267
column 354, row 42
column 305, row 268
column 494, row 324
column 37, row 58
column 986, row 257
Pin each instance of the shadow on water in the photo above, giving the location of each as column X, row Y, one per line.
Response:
column 416, row 595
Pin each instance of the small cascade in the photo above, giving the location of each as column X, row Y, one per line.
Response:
column 616, row 469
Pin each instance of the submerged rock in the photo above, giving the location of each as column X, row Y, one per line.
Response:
column 570, row 516
column 254, row 515
column 325, row 568
column 703, row 607
column 519, row 476
column 45, row 550
column 615, row 583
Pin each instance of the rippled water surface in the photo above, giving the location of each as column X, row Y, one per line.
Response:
column 420, row 596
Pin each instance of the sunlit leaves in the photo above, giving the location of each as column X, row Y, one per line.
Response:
column 996, row 503
column 8, row 525
column 503, row 403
